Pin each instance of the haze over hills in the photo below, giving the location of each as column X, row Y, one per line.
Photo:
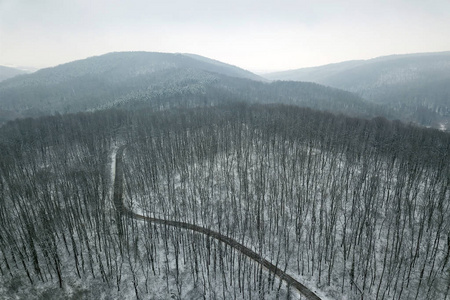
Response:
column 8, row 72
column 411, row 88
column 117, row 66
column 159, row 80
column 415, row 85
column 354, row 75
column 97, row 81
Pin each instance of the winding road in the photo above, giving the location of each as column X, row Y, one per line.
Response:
column 122, row 209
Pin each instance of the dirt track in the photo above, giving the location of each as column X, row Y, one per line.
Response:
column 120, row 207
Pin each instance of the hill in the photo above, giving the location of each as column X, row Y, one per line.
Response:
column 414, row 85
column 7, row 72
column 98, row 81
column 159, row 80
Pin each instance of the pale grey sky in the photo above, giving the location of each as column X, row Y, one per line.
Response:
column 258, row 35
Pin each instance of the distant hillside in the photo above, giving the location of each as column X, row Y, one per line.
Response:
column 134, row 80
column 7, row 72
column 414, row 85
column 313, row 74
column 119, row 66
column 97, row 81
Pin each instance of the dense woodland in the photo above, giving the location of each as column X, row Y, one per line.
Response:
column 354, row 208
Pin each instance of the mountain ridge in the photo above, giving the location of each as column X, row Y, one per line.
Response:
column 415, row 85
column 158, row 80
column 345, row 64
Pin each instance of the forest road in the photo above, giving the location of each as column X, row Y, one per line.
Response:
column 122, row 209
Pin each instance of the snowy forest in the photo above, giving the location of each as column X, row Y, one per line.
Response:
column 351, row 208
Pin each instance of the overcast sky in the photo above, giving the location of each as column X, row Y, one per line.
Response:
column 258, row 35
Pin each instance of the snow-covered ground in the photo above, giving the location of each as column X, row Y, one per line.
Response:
column 347, row 227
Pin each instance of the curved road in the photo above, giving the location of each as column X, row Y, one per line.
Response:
column 121, row 208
